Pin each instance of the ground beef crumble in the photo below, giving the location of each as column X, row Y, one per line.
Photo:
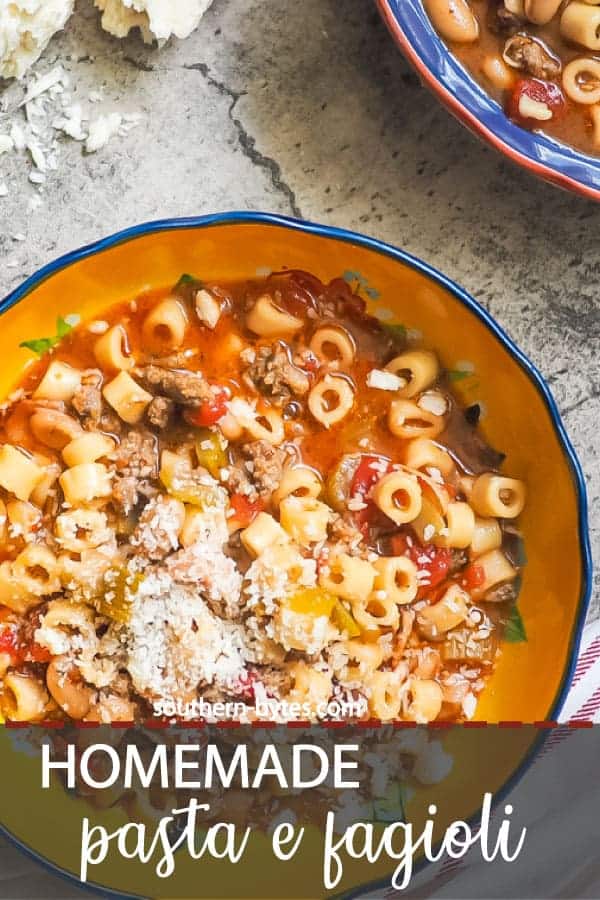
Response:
column 188, row 388
column 258, row 473
column 88, row 403
column 266, row 462
column 531, row 57
column 271, row 372
column 502, row 21
column 459, row 560
column 136, row 464
column 160, row 412
column 346, row 536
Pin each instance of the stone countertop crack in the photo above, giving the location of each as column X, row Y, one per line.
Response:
column 569, row 409
column 246, row 141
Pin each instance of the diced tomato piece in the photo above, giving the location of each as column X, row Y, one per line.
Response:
column 210, row 411
column 36, row 653
column 245, row 510
column 341, row 293
column 9, row 640
column 434, row 560
column 451, row 490
column 311, row 363
column 533, row 102
column 244, row 685
column 369, row 471
column 295, row 291
column 473, row 576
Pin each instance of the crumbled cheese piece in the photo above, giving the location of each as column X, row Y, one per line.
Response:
column 157, row 19
column 435, row 474
column 534, row 109
column 70, row 123
column 434, row 403
column 428, row 533
column 242, row 411
column 3, row 190
column 42, row 84
column 385, row 381
column 26, row 28
column 464, row 365
column 356, row 504
column 99, row 326
column 17, row 136
column 208, row 309
column 101, row 130
column 47, row 110
column 469, row 705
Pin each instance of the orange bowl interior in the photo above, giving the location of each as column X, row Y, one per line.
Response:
column 517, row 420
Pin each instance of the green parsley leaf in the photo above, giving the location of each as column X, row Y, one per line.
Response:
column 395, row 330
column 62, row 327
column 392, row 807
column 38, row 345
column 42, row 345
column 186, row 278
column 458, row 374
column 514, row 630
column 351, row 276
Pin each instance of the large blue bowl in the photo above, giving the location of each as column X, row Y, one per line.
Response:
column 467, row 100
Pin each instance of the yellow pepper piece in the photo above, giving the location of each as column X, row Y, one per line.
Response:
column 345, row 620
column 312, row 602
column 116, row 604
column 209, row 452
column 186, row 484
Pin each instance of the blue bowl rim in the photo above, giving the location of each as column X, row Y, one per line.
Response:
column 551, row 160
column 402, row 256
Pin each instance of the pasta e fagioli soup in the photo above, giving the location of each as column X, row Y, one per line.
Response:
column 539, row 58
column 247, row 491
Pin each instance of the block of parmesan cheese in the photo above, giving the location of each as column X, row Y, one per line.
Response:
column 26, row 27
column 158, row 20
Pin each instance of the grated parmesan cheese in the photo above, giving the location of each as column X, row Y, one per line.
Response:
column 174, row 643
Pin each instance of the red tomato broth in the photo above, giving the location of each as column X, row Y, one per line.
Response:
column 216, row 354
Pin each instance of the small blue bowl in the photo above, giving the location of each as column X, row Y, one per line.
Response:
column 440, row 71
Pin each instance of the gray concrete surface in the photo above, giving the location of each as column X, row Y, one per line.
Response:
column 308, row 109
